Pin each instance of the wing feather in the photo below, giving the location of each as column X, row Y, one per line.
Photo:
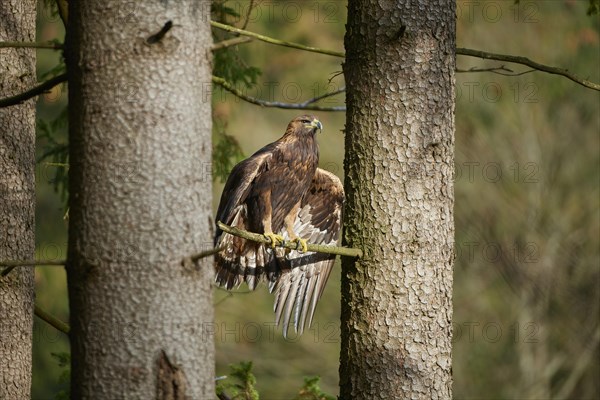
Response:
column 238, row 185
column 241, row 260
column 303, row 275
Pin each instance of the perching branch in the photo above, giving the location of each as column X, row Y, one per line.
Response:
column 36, row 91
column 317, row 248
column 34, row 45
column 526, row 61
column 306, row 105
column 52, row 320
column 278, row 42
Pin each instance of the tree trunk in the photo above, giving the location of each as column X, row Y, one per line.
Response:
column 140, row 137
column 397, row 300
column 17, row 200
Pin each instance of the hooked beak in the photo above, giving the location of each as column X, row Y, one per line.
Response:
column 317, row 124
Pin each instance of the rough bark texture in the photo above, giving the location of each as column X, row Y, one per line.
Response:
column 140, row 200
column 397, row 300
column 17, row 199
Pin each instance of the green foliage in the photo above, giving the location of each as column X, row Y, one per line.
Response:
column 312, row 391
column 227, row 63
column 229, row 66
column 594, row 7
column 50, row 5
column 56, row 153
column 220, row 10
column 243, row 386
column 64, row 362
column 226, row 152
column 58, row 69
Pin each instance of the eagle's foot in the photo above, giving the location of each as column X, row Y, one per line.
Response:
column 300, row 243
column 275, row 239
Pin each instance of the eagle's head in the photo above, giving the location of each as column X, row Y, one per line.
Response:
column 305, row 125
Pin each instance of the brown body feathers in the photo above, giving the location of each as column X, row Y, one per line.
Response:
column 278, row 189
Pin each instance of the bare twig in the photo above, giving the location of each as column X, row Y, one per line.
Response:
column 317, row 248
column 526, row 61
column 27, row 263
column 271, row 40
column 59, row 46
column 36, row 91
column 250, row 7
column 32, row 263
column 490, row 69
column 34, row 45
column 63, row 11
column 459, row 51
column 220, row 81
column 230, row 42
column 52, row 320
column 581, row 366
column 502, row 70
column 306, row 105
column 323, row 96
column 206, row 253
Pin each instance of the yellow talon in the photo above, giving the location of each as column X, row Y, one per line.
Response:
column 275, row 239
column 302, row 244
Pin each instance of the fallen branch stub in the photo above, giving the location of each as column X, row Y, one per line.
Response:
column 317, row 248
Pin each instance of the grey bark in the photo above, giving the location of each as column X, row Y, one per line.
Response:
column 17, row 200
column 140, row 200
column 397, row 300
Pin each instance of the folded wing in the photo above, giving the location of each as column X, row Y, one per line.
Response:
column 241, row 260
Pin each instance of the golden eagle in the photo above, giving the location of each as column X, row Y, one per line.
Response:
column 280, row 192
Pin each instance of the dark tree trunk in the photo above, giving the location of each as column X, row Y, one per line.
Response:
column 397, row 300
column 140, row 136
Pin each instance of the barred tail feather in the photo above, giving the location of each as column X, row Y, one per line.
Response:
column 241, row 260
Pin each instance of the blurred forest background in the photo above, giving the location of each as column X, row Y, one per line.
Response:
column 527, row 274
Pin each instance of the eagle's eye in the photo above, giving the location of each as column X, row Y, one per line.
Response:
column 305, row 121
